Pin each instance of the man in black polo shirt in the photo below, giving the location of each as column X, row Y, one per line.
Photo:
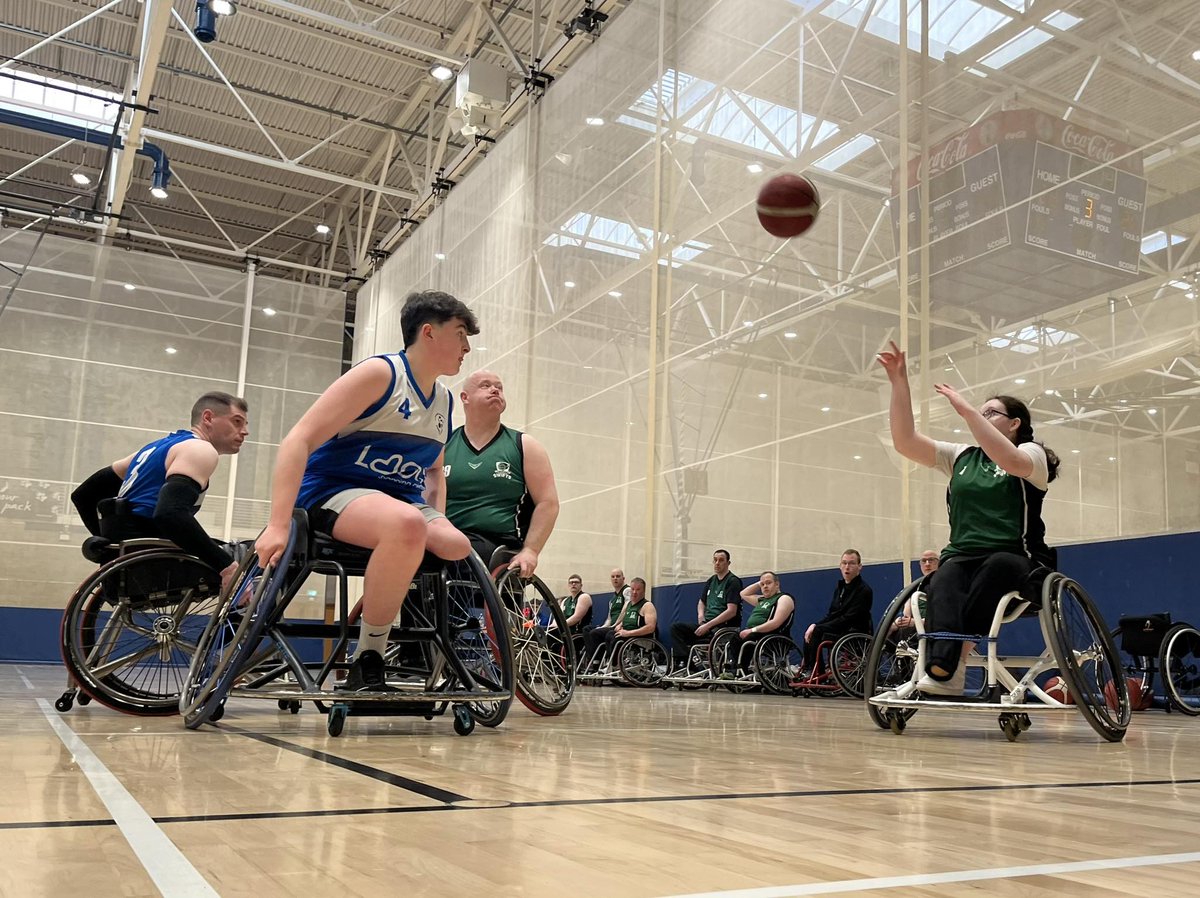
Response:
column 849, row 612
column 718, row 606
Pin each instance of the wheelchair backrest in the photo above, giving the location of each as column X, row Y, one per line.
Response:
column 1142, row 634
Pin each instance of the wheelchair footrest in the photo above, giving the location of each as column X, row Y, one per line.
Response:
column 963, row 703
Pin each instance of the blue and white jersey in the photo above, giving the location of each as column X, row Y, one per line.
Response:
column 388, row 447
column 148, row 472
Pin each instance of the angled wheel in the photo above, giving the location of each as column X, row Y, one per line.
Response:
column 130, row 630
column 1137, row 667
column 1179, row 663
column 720, row 651
column 889, row 666
column 1087, row 656
column 477, row 635
column 231, row 636
column 544, row 660
column 848, row 661
column 642, row 661
column 776, row 660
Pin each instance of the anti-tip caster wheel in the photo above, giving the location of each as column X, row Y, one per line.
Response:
column 337, row 719
column 464, row 723
column 64, row 703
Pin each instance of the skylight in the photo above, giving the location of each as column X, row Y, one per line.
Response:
column 1152, row 243
column 1029, row 340
column 618, row 238
column 955, row 26
column 46, row 98
column 701, row 108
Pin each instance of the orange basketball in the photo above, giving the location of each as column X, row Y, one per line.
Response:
column 1138, row 700
column 788, row 205
column 1056, row 688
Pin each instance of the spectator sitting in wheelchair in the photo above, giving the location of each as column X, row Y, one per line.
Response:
column 366, row 461
column 995, row 495
column 772, row 611
column 849, row 611
column 638, row 618
column 904, row 627
column 162, row 485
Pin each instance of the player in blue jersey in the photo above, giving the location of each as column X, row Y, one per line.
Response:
column 366, row 461
column 164, row 482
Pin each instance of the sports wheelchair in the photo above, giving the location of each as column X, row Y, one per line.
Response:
column 450, row 649
column 130, row 629
column 1077, row 644
column 635, row 661
column 1151, row 645
column 767, row 662
column 839, row 668
column 543, row 650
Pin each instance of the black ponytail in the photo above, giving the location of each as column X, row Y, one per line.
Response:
column 1019, row 411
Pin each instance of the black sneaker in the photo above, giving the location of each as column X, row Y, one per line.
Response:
column 366, row 674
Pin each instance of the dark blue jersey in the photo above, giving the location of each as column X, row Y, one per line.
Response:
column 388, row 447
column 148, row 472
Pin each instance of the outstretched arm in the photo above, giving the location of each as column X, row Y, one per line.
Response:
column 998, row 447
column 905, row 439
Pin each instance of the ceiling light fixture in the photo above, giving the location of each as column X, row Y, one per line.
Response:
column 441, row 72
column 322, row 228
column 615, row 294
column 789, row 335
column 439, row 256
column 80, row 178
column 269, row 312
column 594, row 120
column 170, row 350
column 754, row 168
column 568, row 284
column 762, row 395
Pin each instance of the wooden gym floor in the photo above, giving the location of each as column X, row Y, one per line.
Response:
column 629, row 794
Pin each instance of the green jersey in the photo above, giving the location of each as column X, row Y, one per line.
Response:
column 616, row 603
column 568, row 603
column 719, row 594
column 632, row 618
column 990, row 510
column 485, row 488
column 763, row 610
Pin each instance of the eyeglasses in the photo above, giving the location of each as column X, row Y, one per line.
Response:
column 990, row 413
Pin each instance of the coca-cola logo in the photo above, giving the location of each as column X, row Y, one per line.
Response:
column 1094, row 146
column 952, row 152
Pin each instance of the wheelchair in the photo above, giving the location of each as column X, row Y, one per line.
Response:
column 839, row 668
column 703, row 665
column 1154, row 647
column 544, row 660
column 636, row 661
column 130, row 629
column 450, row 651
column 1078, row 646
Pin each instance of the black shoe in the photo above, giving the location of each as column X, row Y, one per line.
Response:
column 366, row 674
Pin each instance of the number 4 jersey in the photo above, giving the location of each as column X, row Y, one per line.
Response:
column 388, row 447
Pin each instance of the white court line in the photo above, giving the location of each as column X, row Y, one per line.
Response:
column 172, row 873
column 925, row 879
column 24, row 679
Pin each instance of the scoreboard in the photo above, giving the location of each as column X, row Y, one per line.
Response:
column 1020, row 184
column 1086, row 210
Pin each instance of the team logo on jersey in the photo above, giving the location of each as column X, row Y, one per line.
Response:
column 474, row 465
column 503, row 469
column 440, row 423
column 391, row 466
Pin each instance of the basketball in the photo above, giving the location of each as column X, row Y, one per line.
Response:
column 1138, row 700
column 1056, row 688
column 788, row 205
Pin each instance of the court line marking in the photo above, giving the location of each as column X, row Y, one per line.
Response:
column 392, row 779
column 172, row 873
column 572, row 802
column 24, row 679
column 925, row 879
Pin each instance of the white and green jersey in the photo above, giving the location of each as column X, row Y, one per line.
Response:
column 990, row 510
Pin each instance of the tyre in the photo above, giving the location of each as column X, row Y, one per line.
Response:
column 477, row 635
column 642, row 661
column 889, row 667
column 1087, row 656
column 776, row 659
column 232, row 635
column 129, row 632
column 1179, row 662
column 544, row 662
column 848, row 661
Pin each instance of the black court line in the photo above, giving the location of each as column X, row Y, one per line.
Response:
column 583, row 802
column 392, row 779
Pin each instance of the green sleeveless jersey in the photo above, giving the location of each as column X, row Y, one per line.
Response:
column 568, row 603
column 617, row 602
column 763, row 610
column 632, row 618
column 485, row 488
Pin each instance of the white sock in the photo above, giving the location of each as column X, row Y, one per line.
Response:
column 372, row 637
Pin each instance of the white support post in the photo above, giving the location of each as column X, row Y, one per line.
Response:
column 240, row 390
column 902, row 271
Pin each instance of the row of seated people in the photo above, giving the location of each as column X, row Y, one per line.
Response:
column 718, row 608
